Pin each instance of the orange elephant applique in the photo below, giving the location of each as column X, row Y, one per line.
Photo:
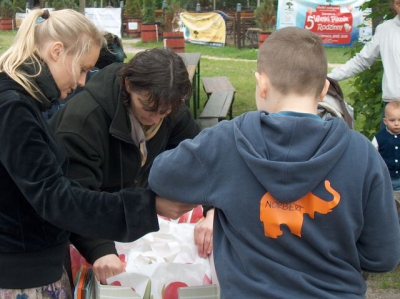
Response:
column 274, row 213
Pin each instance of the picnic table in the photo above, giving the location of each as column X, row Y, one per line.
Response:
column 193, row 67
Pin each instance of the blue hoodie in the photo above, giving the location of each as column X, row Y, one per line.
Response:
column 302, row 205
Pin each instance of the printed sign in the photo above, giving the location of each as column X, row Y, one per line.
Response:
column 106, row 19
column 19, row 18
column 332, row 25
column 336, row 22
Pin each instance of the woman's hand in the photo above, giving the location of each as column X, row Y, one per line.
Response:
column 108, row 266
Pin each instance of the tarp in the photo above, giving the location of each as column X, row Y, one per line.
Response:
column 335, row 21
column 203, row 28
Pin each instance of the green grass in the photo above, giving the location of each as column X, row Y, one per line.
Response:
column 390, row 280
column 334, row 55
column 6, row 39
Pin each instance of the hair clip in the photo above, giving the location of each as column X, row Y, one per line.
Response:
column 43, row 18
column 39, row 20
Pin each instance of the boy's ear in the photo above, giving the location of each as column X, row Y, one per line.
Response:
column 384, row 121
column 262, row 83
column 324, row 90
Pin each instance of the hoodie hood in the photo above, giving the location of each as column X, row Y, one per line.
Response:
column 276, row 148
column 105, row 88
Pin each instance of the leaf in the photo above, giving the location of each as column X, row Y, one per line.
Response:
column 147, row 292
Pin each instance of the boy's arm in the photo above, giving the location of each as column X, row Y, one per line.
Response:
column 180, row 174
column 183, row 127
column 379, row 242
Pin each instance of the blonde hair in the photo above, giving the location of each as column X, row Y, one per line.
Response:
column 295, row 61
column 76, row 32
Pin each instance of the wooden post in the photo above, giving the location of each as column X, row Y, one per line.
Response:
column 239, row 23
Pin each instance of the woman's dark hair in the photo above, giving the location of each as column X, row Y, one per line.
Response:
column 110, row 52
column 162, row 74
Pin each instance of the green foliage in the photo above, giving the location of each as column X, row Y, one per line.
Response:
column 265, row 15
column 173, row 7
column 132, row 8
column 367, row 97
column 148, row 13
column 6, row 9
column 19, row 5
column 62, row 4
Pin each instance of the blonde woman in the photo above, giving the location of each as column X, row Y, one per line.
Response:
column 39, row 207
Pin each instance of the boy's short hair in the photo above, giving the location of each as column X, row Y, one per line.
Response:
column 295, row 61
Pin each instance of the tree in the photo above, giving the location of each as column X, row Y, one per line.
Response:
column 171, row 14
column 19, row 5
column 6, row 9
column 148, row 13
column 265, row 15
column 132, row 9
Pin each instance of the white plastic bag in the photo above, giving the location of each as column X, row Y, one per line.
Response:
column 163, row 261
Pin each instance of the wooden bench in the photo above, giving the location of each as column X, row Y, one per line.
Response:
column 207, row 122
column 217, row 84
column 216, row 109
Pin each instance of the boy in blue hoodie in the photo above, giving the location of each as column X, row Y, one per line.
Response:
column 303, row 205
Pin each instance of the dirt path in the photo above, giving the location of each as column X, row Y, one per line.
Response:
column 375, row 293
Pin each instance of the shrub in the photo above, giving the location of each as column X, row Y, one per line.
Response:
column 148, row 13
column 6, row 9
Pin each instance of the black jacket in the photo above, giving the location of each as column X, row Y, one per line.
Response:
column 39, row 206
column 96, row 131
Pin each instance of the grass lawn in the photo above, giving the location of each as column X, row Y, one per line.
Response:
column 241, row 74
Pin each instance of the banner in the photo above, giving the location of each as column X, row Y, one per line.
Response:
column 335, row 21
column 203, row 28
column 106, row 19
column 19, row 18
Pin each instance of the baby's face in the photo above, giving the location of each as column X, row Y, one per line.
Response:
column 396, row 6
column 392, row 120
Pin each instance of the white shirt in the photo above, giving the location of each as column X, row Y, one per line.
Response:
column 386, row 43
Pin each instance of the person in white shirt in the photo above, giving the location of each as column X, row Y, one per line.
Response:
column 386, row 44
